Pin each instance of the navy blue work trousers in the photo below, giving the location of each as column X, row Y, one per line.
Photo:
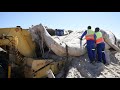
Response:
column 91, row 51
column 101, row 52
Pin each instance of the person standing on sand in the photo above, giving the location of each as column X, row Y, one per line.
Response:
column 89, row 36
column 100, row 45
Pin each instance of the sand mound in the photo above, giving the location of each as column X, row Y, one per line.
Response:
column 80, row 67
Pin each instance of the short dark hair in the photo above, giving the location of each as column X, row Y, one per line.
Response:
column 89, row 27
column 97, row 29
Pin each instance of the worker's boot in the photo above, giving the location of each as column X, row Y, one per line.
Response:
column 95, row 60
column 98, row 61
column 105, row 63
column 92, row 61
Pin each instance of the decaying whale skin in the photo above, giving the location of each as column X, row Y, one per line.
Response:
column 110, row 40
column 59, row 44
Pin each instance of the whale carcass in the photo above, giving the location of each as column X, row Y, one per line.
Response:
column 70, row 44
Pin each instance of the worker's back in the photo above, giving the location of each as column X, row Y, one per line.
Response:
column 90, row 40
column 90, row 37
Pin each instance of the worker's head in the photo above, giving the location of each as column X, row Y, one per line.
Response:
column 89, row 27
column 97, row 29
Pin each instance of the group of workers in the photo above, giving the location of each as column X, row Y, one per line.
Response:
column 95, row 42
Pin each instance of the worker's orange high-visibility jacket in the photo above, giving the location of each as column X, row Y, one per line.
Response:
column 99, row 37
column 90, row 35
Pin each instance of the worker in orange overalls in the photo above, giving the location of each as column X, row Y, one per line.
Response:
column 100, row 45
column 90, row 38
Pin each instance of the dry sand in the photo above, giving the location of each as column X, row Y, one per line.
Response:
column 80, row 67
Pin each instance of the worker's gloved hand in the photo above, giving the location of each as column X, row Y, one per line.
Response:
column 81, row 39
